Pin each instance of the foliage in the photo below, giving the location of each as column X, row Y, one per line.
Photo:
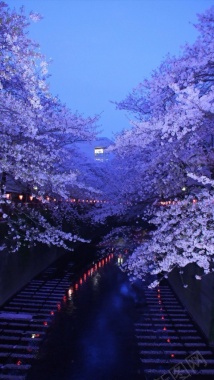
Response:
column 36, row 129
column 171, row 137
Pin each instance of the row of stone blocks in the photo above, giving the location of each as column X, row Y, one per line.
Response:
column 170, row 344
column 24, row 322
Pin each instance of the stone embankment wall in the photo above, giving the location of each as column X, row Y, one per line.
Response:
column 197, row 296
column 17, row 269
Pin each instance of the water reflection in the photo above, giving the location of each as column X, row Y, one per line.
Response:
column 91, row 272
column 96, row 279
column 120, row 259
column 93, row 335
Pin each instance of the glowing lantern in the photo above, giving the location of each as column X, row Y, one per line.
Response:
column 20, row 197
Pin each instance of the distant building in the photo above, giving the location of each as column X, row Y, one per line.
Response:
column 95, row 150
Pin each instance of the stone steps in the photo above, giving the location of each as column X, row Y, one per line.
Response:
column 169, row 341
column 24, row 321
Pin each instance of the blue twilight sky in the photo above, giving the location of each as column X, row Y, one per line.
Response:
column 101, row 49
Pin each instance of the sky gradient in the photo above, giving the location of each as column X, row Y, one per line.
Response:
column 101, row 49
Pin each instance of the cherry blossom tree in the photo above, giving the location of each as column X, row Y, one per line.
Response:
column 171, row 136
column 36, row 130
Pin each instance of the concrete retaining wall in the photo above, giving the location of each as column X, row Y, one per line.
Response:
column 197, row 297
column 17, row 269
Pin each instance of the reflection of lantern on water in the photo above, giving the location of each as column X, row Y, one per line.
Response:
column 99, row 265
column 120, row 259
column 58, row 307
column 80, row 281
column 89, row 272
column 95, row 267
column 85, row 276
column 76, row 286
column 70, row 292
column 103, row 262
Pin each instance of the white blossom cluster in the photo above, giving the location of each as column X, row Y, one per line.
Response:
column 35, row 128
column 168, row 159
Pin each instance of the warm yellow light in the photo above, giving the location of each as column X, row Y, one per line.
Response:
column 20, row 197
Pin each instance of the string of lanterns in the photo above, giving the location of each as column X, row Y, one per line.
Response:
column 30, row 198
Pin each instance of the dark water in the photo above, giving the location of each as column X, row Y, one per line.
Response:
column 92, row 337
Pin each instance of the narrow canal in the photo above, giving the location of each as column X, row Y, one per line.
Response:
column 92, row 336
